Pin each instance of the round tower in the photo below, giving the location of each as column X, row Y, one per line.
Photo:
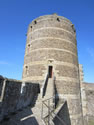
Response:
column 51, row 48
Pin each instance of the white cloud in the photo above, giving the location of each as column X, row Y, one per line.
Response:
column 91, row 53
column 4, row 63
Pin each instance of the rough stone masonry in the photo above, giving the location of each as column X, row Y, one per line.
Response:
column 51, row 48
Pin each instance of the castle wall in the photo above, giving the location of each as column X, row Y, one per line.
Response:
column 51, row 41
column 15, row 95
column 89, row 91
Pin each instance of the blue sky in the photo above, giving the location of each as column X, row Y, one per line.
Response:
column 15, row 15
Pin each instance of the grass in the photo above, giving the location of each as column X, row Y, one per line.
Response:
column 91, row 122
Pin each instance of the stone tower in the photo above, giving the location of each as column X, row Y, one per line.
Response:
column 51, row 49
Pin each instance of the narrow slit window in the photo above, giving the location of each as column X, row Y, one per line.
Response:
column 50, row 71
column 28, row 45
column 31, row 28
column 26, row 70
column 73, row 28
column 58, row 19
column 35, row 22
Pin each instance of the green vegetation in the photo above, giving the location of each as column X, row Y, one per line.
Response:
column 91, row 122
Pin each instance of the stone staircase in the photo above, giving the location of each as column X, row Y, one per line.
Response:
column 50, row 89
column 37, row 109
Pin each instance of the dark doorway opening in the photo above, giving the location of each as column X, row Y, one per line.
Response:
column 50, row 71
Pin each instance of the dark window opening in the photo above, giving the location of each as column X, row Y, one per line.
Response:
column 58, row 19
column 26, row 67
column 73, row 28
column 35, row 22
column 28, row 45
column 50, row 71
column 31, row 28
column 26, row 70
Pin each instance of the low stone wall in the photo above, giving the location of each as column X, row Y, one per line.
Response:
column 15, row 95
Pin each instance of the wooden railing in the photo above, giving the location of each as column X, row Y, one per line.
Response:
column 50, row 114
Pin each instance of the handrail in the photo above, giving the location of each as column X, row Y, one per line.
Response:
column 48, row 99
column 62, row 121
column 50, row 111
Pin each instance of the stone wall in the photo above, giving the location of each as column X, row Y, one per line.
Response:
column 87, row 96
column 50, row 37
column 89, row 91
column 15, row 95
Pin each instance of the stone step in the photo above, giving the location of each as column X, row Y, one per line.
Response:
column 37, row 110
column 50, row 89
column 37, row 113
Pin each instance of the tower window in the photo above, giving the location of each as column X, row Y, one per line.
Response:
column 58, row 19
column 50, row 71
column 28, row 45
column 35, row 22
column 31, row 28
column 28, row 49
column 26, row 70
column 26, row 67
column 73, row 28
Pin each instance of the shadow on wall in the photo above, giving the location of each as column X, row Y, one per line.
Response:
column 21, row 117
column 45, row 86
column 63, row 113
column 16, row 96
column 57, row 96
